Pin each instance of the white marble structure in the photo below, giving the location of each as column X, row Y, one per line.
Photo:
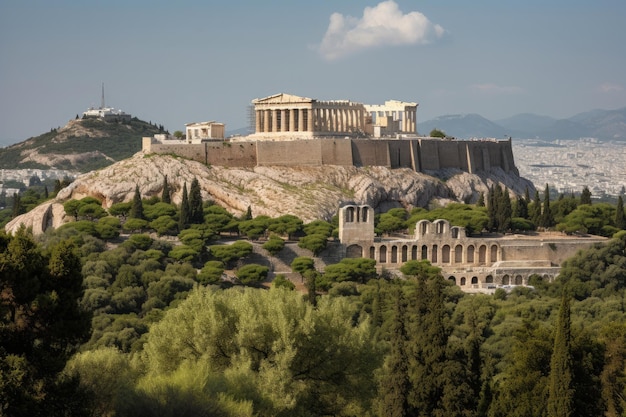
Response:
column 286, row 116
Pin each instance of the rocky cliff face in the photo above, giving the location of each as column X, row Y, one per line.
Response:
column 308, row 192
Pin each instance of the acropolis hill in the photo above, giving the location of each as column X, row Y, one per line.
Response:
column 299, row 131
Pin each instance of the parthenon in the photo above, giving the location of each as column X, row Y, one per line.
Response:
column 286, row 116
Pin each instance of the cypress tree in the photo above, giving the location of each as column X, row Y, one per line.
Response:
column 166, row 196
column 620, row 220
column 560, row 393
column 196, row 216
column 492, row 203
column 183, row 220
column 394, row 385
column 504, row 211
column 136, row 209
column 481, row 200
column 534, row 211
column 585, row 196
column 546, row 219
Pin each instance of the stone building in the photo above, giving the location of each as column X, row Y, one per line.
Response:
column 202, row 131
column 285, row 116
column 481, row 263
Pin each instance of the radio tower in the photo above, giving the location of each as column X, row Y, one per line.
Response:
column 102, row 102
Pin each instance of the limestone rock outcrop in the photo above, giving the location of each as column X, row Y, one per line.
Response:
column 309, row 192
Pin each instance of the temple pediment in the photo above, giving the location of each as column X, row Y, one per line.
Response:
column 282, row 98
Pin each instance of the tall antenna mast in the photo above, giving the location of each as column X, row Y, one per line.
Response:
column 102, row 103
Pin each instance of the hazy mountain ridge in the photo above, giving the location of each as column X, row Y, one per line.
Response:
column 601, row 124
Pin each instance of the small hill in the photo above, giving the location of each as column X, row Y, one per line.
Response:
column 309, row 192
column 82, row 145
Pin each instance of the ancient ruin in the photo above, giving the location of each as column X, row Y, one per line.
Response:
column 475, row 263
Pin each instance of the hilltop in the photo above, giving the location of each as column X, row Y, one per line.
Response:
column 309, row 192
column 82, row 145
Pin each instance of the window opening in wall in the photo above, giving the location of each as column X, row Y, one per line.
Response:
column 494, row 253
column 372, row 252
column 445, row 254
column 424, row 252
column 405, row 251
column 482, row 255
column 350, row 214
column 453, row 279
column 470, row 254
column 474, row 280
column 413, row 253
column 364, row 213
column 489, row 279
column 383, row 254
column 434, row 254
column 463, row 281
column 458, row 254
column 505, row 280
column 518, row 280
column 394, row 254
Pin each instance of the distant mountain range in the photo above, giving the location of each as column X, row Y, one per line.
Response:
column 604, row 125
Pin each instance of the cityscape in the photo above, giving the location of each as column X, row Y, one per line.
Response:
column 569, row 165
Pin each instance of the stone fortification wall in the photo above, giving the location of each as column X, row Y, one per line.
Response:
column 423, row 154
column 236, row 154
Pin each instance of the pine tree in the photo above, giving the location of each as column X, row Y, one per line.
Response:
column 166, row 196
column 183, row 220
column 620, row 220
column 196, row 215
column 394, row 385
column 136, row 209
column 560, row 393
column 585, row 196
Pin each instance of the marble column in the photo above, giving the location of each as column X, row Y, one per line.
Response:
column 266, row 120
column 275, row 127
column 284, row 120
column 292, row 120
column 257, row 121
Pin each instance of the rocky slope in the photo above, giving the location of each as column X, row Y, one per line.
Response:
column 307, row 192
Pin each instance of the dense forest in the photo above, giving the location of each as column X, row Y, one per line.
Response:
column 149, row 308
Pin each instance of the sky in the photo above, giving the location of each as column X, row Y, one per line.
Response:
column 173, row 63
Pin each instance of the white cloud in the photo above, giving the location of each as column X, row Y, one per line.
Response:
column 490, row 88
column 383, row 24
column 610, row 88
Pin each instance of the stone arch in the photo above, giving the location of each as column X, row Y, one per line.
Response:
column 354, row 251
column 382, row 254
column 424, row 252
column 493, row 257
column 434, row 254
column 414, row 252
column 364, row 214
column 470, row 254
column 445, row 254
column 441, row 226
column 482, row 254
column 422, row 228
column 474, row 280
column 372, row 252
column 458, row 254
column 489, row 279
column 394, row 254
column 518, row 280
column 463, row 281
column 452, row 278
column 349, row 214
column 506, row 280
column 405, row 254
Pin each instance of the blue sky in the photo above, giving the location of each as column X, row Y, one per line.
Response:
column 188, row 61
